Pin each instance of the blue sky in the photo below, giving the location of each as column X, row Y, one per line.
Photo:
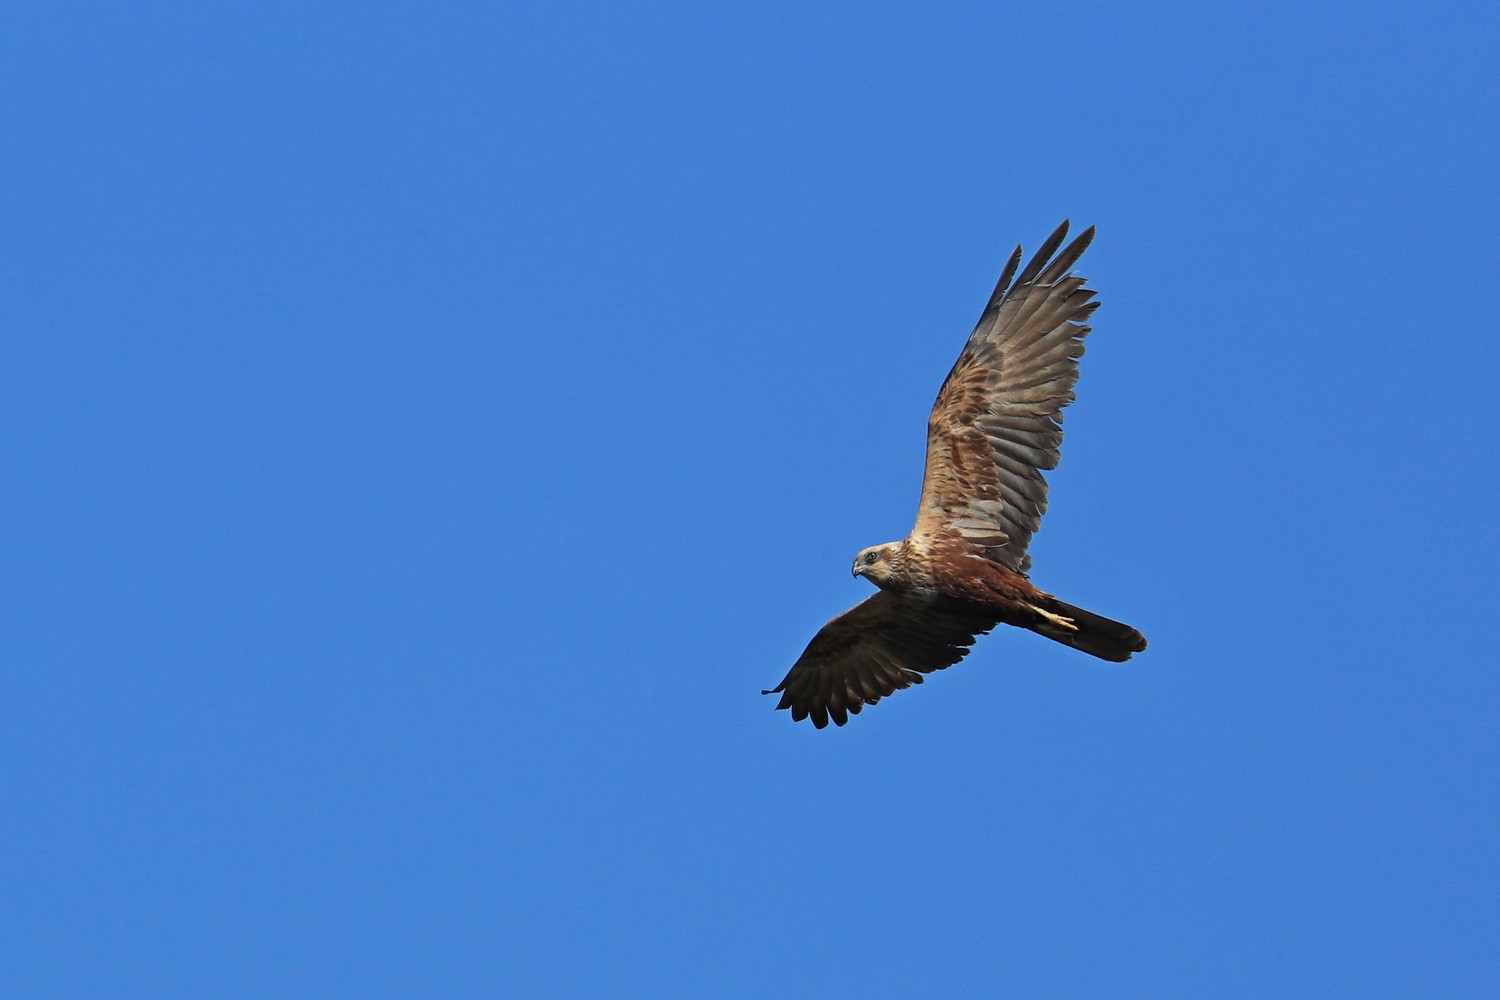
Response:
column 426, row 428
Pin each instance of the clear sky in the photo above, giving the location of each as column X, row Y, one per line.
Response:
column 425, row 429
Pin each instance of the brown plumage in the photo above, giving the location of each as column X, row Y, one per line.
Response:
column 996, row 425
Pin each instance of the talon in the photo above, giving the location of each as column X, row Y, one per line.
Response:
column 1058, row 620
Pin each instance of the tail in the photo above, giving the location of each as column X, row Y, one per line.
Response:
column 1094, row 634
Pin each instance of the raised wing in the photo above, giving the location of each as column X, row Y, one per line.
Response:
column 997, row 421
column 876, row 647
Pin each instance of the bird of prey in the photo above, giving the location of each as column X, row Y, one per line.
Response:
column 964, row 568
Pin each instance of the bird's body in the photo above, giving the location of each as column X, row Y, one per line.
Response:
column 946, row 570
column 964, row 568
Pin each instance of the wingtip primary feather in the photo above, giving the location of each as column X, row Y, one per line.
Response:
column 1003, row 285
column 1043, row 255
column 1059, row 268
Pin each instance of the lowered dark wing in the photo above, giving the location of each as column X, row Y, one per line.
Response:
column 997, row 421
column 876, row 647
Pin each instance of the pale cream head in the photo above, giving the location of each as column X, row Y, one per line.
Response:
column 874, row 563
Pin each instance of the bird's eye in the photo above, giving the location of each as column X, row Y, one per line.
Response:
column 869, row 559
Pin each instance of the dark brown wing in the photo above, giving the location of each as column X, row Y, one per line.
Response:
column 997, row 421
column 876, row 647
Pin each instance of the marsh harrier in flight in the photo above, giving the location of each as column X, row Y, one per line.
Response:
column 964, row 569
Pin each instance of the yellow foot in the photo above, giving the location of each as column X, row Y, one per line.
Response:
column 1066, row 624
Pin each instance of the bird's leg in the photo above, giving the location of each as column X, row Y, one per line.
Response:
column 1066, row 624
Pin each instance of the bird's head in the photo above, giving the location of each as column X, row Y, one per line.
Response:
column 876, row 562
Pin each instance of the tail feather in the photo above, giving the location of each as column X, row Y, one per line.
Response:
column 1091, row 633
